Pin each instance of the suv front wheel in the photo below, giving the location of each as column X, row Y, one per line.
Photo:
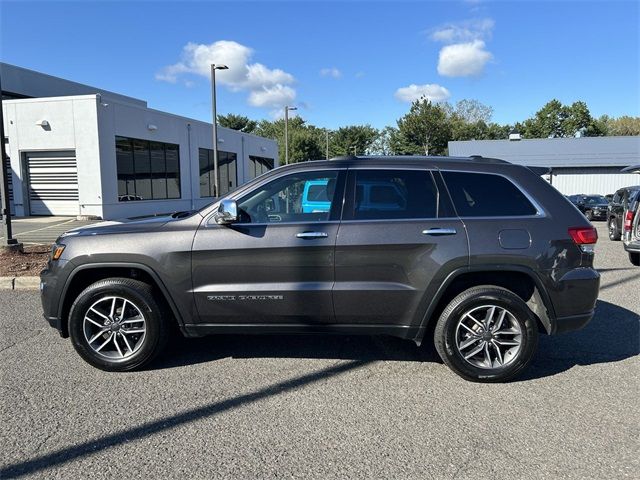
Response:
column 486, row 334
column 117, row 325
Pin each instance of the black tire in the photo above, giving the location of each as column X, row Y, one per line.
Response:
column 140, row 295
column 634, row 258
column 446, row 332
column 614, row 231
column 589, row 215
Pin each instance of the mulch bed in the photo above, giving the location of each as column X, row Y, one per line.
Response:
column 23, row 264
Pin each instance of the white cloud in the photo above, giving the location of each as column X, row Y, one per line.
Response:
column 430, row 91
column 275, row 96
column 466, row 31
column 265, row 85
column 463, row 59
column 332, row 72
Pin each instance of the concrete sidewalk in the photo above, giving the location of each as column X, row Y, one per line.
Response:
column 43, row 230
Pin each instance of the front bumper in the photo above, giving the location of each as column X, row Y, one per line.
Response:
column 52, row 282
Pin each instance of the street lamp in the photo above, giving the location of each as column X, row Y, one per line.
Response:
column 215, row 67
column 287, row 109
column 326, row 137
column 5, row 208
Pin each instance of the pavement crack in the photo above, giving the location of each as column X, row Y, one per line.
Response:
column 21, row 341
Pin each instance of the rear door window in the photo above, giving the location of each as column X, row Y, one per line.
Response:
column 394, row 194
column 486, row 195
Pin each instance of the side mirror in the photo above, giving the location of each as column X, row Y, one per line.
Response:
column 227, row 212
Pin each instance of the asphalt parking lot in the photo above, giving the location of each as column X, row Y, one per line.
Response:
column 325, row 407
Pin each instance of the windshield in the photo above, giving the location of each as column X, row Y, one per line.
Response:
column 595, row 200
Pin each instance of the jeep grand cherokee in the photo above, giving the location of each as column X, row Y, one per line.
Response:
column 477, row 253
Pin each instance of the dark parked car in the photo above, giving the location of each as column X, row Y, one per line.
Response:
column 477, row 253
column 618, row 208
column 631, row 224
column 594, row 207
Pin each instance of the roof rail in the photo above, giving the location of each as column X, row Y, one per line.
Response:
column 345, row 157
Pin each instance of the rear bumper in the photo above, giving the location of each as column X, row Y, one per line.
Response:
column 574, row 299
column 633, row 246
column 571, row 323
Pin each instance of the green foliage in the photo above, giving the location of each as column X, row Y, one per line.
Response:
column 237, row 122
column 352, row 140
column 425, row 130
column 624, row 125
column 428, row 127
column 555, row 120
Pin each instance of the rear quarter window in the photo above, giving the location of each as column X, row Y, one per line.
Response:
column 486, row 195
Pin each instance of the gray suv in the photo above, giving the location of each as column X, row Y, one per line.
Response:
column 479, row 254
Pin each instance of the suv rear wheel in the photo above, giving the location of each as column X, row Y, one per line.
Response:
column 614, row 231
column 117, row 325
column 634, row 258
column 486, row 334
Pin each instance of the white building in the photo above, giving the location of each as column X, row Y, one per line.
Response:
column 80, row 151
column 589, row 165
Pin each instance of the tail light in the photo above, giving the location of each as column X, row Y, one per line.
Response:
column 584, row 237
column 628, row 221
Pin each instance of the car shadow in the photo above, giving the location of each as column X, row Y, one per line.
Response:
column 612, row 335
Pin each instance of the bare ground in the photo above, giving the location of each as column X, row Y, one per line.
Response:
column 26, row 263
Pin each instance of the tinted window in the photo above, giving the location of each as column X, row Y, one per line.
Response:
column 288, row 199
column 485, row 195
column 394, row 194
column 259, row 165
column 147, row 170
column 227, row 172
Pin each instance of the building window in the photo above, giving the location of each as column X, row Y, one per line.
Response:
column 147, row 170
column 227, row 172
column 259, row 165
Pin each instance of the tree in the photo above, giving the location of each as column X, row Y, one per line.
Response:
column 382, row 144
column 352, row 140
column 555, row 120
column 304, row 140
column 624, row 125
column 237, row 122
column 425, row 130
column 473, row 111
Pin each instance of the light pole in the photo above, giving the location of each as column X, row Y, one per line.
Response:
column 5, row 209
column 215, row 67
column 286, row 132
column 326, row 137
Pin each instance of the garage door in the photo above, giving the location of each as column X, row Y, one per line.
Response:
column 53, row 183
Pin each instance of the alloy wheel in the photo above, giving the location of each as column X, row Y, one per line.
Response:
column 114, row 327
column 488, row 336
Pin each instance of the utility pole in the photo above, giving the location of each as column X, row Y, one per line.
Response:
column 7, row 234
column 286, row 132
column 214, row 67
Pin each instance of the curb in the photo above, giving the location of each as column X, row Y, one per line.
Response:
column 19, row 283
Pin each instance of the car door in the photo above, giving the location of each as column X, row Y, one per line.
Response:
column 397, row 240
column 276, row 264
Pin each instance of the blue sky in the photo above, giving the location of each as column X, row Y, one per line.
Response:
column 341, row 62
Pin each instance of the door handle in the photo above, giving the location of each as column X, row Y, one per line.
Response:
column 436, row 232
column 311, row 235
